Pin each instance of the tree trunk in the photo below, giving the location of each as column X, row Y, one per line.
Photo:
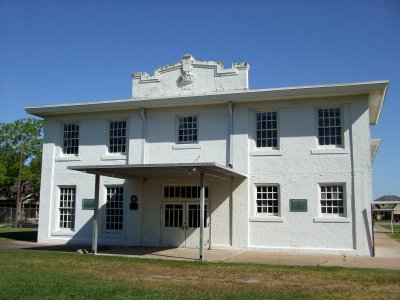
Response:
column 18, row 206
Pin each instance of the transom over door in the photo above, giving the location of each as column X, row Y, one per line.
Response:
column 181, row 225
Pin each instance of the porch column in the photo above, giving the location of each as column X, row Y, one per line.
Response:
column 202, row 193
column 96, row 214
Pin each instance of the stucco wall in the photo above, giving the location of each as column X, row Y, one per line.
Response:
column 298, row 166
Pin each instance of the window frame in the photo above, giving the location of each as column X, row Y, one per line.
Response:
column 255, row 130
column 330, row 146
column 177, row 122
column 337, row 215
column 109, row 136
column 184, row 186
column 279, row 201
column 59, row 193
column 114, row 231
column 63, row 124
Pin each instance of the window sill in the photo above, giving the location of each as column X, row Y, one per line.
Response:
column 267, row 219
column 266, row 153
column 114, row 157
column 68, row 158
column 332, row 220
column 330, row 151
column 62, row 233
column 186, row 146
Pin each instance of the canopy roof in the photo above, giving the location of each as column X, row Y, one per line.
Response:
column 161, row 170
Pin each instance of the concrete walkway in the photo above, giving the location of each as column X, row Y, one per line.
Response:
column 387, row 254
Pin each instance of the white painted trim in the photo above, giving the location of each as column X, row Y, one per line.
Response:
column 331, row 220
column 68, row 122
column 127, row 135
column 330, row 151
column 267, row 219
column 114, row 157
column 266, row 153
column 374, row 146
column 253, row 132
column 378, row 88
column 177, row 142
column 68, row 158
column 62, row 233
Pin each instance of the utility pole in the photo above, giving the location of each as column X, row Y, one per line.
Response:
column 18, row 202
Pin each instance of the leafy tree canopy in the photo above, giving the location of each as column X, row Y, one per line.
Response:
column 20, row 137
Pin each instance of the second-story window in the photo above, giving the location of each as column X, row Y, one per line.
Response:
column 117, row 143
column 329, row 126
column 71, row 138
column 267, row 130
column 187, row 129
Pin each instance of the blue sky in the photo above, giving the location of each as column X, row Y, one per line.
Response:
column 54, row 52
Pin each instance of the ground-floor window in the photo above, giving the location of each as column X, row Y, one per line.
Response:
column 188, row 214
column 267, row 199
column 67, row 207
column 332, row 199
column 173, row 215
column 115, row 208
column 194, row 215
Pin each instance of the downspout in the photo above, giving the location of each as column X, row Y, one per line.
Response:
column 230, row 144
column 144, row 125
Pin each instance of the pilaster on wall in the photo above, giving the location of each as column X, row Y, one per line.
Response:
column 362, row 177
column 46, row 210
column 240, row 208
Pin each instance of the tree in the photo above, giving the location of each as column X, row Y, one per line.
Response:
column 20, row 160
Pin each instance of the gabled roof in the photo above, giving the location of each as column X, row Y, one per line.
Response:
column 375, row 90
column 388, row 198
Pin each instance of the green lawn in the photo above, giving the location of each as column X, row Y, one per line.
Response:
column 18, row 234
column 53, row 275
column 396, row 229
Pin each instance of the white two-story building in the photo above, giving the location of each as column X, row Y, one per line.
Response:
column 284, row 169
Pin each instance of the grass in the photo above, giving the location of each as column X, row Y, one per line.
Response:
column 48, row 275
column 18, row 234
column 396, row 230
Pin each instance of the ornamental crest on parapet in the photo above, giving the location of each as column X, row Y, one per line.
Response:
column 187, row 76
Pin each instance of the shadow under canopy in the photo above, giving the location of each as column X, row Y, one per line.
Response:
column 143, row 171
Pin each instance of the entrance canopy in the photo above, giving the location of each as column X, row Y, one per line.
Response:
column 161, row 170
column 197, row 170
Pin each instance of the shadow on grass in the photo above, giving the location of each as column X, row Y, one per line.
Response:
column 16, row 234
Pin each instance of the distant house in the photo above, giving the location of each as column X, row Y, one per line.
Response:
column 8, row 195
column 282, row 169
column 8, row 203
column 386, row 215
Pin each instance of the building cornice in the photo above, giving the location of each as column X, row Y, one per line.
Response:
column 376, row 91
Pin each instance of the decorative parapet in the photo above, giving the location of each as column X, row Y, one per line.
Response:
column 190, row 77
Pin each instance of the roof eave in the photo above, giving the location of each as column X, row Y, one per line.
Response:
column 374, row 144
column 376, row 91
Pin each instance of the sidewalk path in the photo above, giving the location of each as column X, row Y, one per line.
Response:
column 387, row 254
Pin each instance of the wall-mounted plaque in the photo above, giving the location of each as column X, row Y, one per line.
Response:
column 298, row 205
column 87, row 204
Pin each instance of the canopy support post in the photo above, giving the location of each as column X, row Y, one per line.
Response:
column 96, row 214
column 202, row 196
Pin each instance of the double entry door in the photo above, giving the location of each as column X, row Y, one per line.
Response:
column 181, row 224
